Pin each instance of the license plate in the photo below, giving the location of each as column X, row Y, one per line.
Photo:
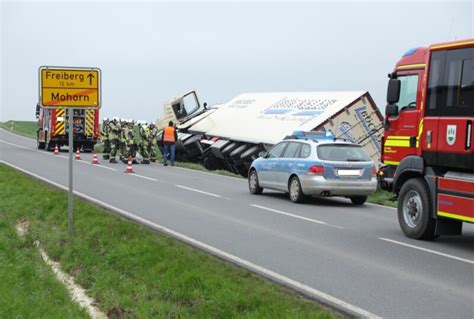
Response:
column 348, row 172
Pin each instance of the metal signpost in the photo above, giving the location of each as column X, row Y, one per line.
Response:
column 70, row 88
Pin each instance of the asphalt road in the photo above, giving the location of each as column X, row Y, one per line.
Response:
column 352, row 257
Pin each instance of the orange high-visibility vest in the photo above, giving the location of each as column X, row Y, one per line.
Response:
column 168, row 134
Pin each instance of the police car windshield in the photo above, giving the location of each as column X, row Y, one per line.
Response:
column 342, row 153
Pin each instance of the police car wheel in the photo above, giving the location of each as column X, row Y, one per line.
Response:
column 358, row 200
column 254, row 188
column 295, row 192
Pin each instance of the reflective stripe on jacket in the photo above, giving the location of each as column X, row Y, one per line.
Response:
column 168, row 134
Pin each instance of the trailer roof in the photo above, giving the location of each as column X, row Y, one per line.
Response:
column 269, row 117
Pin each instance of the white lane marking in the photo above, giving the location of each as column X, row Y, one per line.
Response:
column 295, row 216
column 18, row 134
column 95, row 165
column 428, row 250
column 309, row 291
column 209, row 173
column 59, row 155
column 381, row 206
column 26, row 148
column 198, row 191
column 144, row 177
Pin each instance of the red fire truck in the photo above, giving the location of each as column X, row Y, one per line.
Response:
column 427, row 144
column 53, row 128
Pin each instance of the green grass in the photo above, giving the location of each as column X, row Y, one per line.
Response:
column 382, row 197
column 25, row 128
column 28, row 288
column 127, row 268
column 29, row 129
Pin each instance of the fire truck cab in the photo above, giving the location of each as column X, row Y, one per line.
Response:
column 427, row 147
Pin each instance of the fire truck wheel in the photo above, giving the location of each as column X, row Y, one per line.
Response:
column 49, row 146
column 254, row 188
column 414, row 210
column 40, row 145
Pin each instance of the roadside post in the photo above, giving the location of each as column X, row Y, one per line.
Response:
column 70, row 88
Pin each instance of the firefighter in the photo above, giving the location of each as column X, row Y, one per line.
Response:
column 132, row 143
column 104, row 137
column 153, row 141
column 114, row 135
column 123, row 156
column 128, row 137
column 145, row 143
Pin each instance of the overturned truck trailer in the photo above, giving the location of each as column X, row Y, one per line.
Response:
column 230, row 136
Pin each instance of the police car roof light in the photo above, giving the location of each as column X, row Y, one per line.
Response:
column 313, row 135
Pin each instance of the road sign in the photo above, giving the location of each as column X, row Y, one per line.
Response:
column 69, row 87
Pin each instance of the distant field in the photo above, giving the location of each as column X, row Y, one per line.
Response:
column 25, row 128
column 130, row 270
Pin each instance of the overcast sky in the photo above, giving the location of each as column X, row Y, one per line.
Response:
column 151, row 51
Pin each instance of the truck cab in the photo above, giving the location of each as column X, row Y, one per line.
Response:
column 180, row 109
column 427, row 144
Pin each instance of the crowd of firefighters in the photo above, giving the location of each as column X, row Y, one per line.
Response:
column 126, row 139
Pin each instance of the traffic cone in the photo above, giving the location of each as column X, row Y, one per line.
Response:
column 95, row 160
column 56, row 150
column 129, row 166
column 78, row 154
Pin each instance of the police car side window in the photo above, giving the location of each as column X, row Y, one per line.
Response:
column 305, row 151
column 277, row 150
column 291, row 150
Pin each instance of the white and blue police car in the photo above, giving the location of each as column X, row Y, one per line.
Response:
column 314, row 164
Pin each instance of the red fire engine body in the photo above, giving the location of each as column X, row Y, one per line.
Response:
column 53, row 128
column 427, row 144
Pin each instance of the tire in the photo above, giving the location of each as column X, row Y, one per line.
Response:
column 254, row 188
column 294, row 190
column 358, row 200
column 48, row 145
column 414, row 210
column 39, row 145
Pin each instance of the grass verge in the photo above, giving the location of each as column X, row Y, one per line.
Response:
column 28, row 288
column 132, row 271
column 382, row 197
column 24, row 128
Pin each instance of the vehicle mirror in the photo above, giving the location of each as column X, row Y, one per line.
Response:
column 205, row 105
column 393, row 91
column 262, row 154
column 391, row 110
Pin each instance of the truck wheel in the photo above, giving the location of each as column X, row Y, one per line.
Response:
column 48, row 145
column 295, row 192
column 39, row 145
column 414, row 210
column 254, row 188
column 358, row 200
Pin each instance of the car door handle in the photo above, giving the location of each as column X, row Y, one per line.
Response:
column 290, row 165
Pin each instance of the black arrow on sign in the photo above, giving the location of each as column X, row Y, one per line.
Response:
column 90, row 76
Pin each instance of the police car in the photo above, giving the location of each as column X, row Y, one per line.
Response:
column 316, row 164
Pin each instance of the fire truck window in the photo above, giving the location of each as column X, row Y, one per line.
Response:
column 434, row 82
column 451, row 83
column 408, row 89
column 466, row 96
